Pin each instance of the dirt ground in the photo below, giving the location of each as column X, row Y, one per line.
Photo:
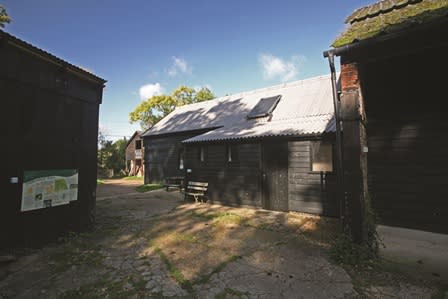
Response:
column 156, row 245
column 116, row 187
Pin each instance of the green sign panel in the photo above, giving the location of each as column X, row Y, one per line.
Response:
column 48, row 188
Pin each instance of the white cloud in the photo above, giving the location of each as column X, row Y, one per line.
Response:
column 149, row 90
column 278, row 68
column 179, row 66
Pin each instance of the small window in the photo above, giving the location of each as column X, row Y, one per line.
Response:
column 181, row 158
column 138, row 144
column 264, row 107
column 231, row 153
column 321, row 156
column 201, row 154
column 138, row 162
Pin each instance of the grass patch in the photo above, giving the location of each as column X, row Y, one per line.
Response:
column 99, row 182
column 184, row 237
column 105, row 288
column 76, row 250
column 203, row 216
column 221, row 217
column 232, row 292
column 133, row 178
column 175, row 273
column 205, row 278
column 229, row 218
column 148, row 187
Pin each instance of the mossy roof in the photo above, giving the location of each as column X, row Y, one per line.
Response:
column 389, row 16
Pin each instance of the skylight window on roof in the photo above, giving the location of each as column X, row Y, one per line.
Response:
column 264, row 107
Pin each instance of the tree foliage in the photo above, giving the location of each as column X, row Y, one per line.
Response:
column 111, row 155
column 149, row 112
column 4, row 18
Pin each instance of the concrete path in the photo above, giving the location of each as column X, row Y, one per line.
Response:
column 418, row 252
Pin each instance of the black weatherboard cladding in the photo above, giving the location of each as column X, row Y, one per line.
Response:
column 46, row 125
column 407, row 160
column 264, row 107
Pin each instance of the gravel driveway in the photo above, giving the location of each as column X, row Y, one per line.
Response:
column 154, row 244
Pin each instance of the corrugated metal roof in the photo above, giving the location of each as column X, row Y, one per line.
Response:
column 27, row 46
column 315, row 125
column 305, row 107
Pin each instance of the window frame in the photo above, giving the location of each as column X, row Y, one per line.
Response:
column 232, row 150
column 312, row 148
column 181, row 158
column 202, row 154
column 139, row 141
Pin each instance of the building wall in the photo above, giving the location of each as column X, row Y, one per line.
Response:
column 237, row 183
column 131, row 165
column 240, row 182
column 407, row 158
column 162, row 156
column 309, row 192
column 49, row 118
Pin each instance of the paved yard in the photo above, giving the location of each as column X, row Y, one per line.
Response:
column 154, row 244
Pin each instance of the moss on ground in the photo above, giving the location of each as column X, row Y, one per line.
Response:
column 148, row 187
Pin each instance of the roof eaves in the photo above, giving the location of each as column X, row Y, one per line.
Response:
column 163, row 133
column 255, row 137
column 14, row 41
column 367, row 26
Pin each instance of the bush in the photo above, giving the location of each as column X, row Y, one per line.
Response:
column 345, row 251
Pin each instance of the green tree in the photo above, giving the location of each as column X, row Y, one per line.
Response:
column 117, row 158
column 204, row 94
column 184, row 95
column 111, row 155
column 4, row 18
column 149, row 112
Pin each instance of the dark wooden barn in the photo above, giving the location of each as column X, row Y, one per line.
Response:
column 49, row 129
column 393, row 75
column 269, row 148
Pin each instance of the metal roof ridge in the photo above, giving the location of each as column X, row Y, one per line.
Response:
column 281, row 86
column 241, row 95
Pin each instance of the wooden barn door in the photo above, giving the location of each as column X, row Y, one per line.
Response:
column 275, row 176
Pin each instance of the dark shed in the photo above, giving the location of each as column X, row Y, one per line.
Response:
column 253, row 148
column 49, row 121
column 393, row 61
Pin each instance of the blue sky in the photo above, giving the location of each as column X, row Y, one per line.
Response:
column 147, row 47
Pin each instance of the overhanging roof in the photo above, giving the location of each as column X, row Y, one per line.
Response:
column 49, row 57
column 305, row 108
column 305, row 126
column 389, row 16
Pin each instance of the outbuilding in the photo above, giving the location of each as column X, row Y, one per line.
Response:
column 269, row 148
column 134, row 155
column 49, row 121
column 393, row 66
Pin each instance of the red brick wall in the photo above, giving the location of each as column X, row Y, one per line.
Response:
column 349, row 76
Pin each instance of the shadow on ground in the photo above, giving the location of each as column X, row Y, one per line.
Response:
column 154, row 244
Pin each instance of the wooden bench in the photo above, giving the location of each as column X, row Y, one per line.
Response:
column 197, row 190
column 174, row 182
